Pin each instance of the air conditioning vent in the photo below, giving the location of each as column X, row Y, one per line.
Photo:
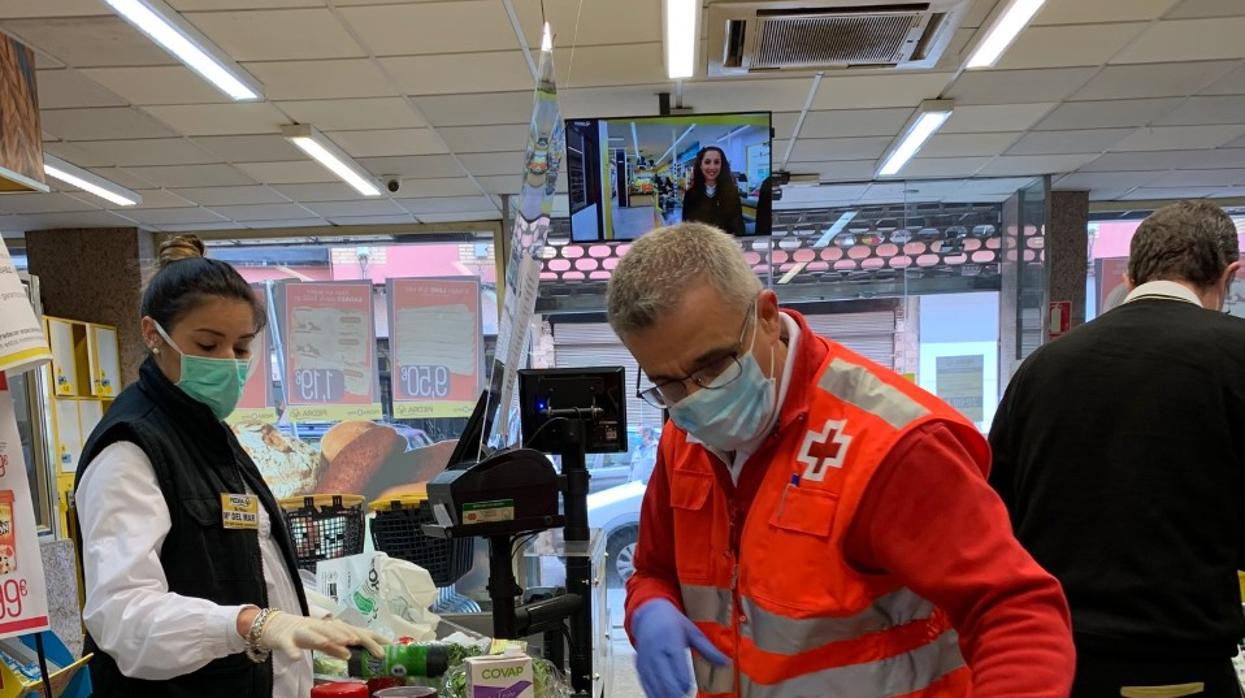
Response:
column 778, row 35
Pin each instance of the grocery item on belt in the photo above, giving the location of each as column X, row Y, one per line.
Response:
column 403, row 659
column 8, row 537
column 290, row 466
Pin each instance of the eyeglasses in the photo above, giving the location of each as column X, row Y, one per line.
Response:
column 713, row 375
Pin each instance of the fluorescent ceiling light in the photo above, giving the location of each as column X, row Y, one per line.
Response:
column 682, row 35
column 930, row 117
column 165, row 27
column 322, row 150
column 674, row 145
column 76, row 176
column 1007, row 25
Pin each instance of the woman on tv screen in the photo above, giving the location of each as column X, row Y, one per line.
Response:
column 713, row 197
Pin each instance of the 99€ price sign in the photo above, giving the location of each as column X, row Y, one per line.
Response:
column 23, row 594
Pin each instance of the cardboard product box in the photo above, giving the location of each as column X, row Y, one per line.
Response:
column 501, row 676
column 19, row 669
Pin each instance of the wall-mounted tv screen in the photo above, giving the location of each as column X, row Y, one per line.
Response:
column 628, row 176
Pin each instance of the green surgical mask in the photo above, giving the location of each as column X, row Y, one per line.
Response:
column 217, row 383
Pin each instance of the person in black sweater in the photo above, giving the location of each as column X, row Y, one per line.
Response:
column 1120, row 453
column 713, row 197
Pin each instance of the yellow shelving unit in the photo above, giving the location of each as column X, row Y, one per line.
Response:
column 85, row 376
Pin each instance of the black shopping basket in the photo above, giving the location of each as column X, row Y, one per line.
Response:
column 398, row 532
column 324, row 526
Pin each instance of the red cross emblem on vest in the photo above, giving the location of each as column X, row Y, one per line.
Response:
column 824, row 450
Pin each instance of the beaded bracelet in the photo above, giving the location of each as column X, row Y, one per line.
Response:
column 254, row 650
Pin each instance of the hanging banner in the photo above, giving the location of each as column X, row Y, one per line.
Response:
column 23, row 345
column 330, row 352
column 546, row 143
column 434, row 346
column 23, row 594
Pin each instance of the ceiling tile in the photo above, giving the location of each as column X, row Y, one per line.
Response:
column 893, row 90
column 1231, row 84
column 89, row 41
column 501, row 184
column 743, row 95
column 225, row 196
column 485, row 139
column 465, row 216
column 448, row 186
column 1007, row 165
column 59, row 89
column 1112, row 183
column 1199, row 178
column 1172, row 193
column 106, row 123
column 590, row 23
column 22, row 204
column 221, row 119
column 851, row 123
column 167, row 84
column 299, row 223
column 354, row 114
column 1099, row 11
column 488, row 164
column 588, row 102
column 400, row 219
column 499, row 71
column 331, row 79
column 947, row 145
column 1017, row 86
column 425, row 27
column 1083, row 44
column 1223, row 158
column 1108, row 114
column 1068, row 142
column 207, row 5
column 357, row 207
column 988, row 118
column 1153, row 80
column 162, row 216
column 1207, row 8
column 52, row 221
column 479, row 109
column 124, row 177
column 324, row 191
column 277, row 35
column 191, row 176
column 448, row 204
column 943, row 167
column 841, row 171
column 146, row 151
column 158, row 198
column 1187, row 40
column 264, row 148
column 415, row 166
column 13, row 9
column 296, row 172
column 407, row 141
column 1180, row 137
column 604, row 66
column 783, row 124
column 819, row 149
column 1207, row 111
column 262, row 212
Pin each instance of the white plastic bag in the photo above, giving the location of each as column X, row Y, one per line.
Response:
column 392, row 599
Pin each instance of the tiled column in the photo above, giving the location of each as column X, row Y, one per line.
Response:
column 1067, row 252
column 95, row 275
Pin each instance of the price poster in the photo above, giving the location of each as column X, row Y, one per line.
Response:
column 23, row 595
column 256, row 402
column 330, row 352
column 435, row 334
column 22, row 342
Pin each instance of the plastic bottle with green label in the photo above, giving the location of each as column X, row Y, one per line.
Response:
column 401, row 660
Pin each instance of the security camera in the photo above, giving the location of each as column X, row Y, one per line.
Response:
column 393, row 184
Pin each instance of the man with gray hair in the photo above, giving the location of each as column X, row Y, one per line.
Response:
column 815, row 525
column 1120, row 451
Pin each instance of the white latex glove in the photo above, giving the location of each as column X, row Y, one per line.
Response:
column 294, row 635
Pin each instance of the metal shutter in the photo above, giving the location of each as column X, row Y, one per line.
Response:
column 870, row 334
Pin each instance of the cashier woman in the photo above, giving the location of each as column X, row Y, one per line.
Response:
column 191, row 583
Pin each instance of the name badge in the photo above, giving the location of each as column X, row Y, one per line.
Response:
column 240, row 511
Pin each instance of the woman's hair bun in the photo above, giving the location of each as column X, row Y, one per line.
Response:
column 180, row 247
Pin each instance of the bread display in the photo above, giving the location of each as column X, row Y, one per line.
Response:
column 290, row 466
column 353, row 452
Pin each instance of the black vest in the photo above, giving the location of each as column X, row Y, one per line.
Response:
column 196, row 459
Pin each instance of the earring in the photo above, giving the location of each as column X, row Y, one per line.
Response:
column 155, row 350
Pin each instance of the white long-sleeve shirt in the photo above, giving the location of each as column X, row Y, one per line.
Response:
column 152, row 633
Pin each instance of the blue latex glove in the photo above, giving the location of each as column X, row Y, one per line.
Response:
column 662, row 637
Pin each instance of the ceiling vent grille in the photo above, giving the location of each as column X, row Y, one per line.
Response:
column 779, row 35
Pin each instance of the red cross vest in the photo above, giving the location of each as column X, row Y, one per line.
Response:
column 795, row 617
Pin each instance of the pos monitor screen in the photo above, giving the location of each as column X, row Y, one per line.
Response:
column 630, row 175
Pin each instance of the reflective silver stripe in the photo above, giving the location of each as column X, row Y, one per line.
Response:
column 893, row 676
column 779, row 634
column 858, row 386
column 713, row 679
column 708, row 604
